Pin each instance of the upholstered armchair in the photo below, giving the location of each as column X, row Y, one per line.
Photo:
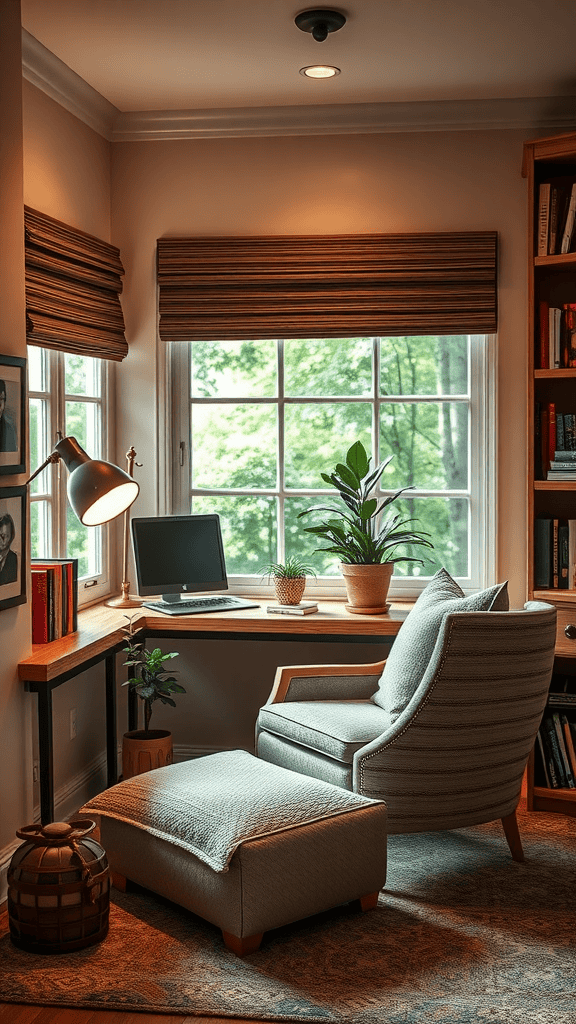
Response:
column 445, row 739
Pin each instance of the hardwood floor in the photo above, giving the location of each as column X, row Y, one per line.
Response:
column 16, row 1013
column 11, row 1013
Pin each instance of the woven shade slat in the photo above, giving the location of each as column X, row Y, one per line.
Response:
column 73, row 283
column 322, row 286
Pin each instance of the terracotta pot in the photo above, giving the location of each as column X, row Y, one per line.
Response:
column 289, row 591
column 367, row 587
column 142, row 751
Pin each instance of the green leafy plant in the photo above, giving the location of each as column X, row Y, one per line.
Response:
column 361, row 535
column 294, row 568
column 150, row 680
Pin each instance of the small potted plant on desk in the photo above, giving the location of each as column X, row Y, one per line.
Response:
column 144, row 749
column 365, row 540
column 289, row 578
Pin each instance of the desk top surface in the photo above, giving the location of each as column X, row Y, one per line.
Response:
column 100, row 629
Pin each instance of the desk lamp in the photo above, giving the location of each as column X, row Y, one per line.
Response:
column 98, row 492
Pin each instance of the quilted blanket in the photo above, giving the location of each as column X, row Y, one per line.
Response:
column 212, row 804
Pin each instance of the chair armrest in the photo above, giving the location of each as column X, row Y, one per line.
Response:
column 325, row 682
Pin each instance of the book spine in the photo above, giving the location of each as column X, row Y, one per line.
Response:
column 555, row 563
column 563, row 555
column 559, row 432
column 551, row 433
column 542, row 552
column 544, row 359
column 571, row 784
column 549, row 755
column 543, row 760
column 570, row 331
column 569, row 225
column 543, row 218
column 569, row 743
column 555, row 751
column 39, row 585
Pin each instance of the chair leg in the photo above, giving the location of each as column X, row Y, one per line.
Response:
column 242, row 946
column 369, row 902
column 510, row 826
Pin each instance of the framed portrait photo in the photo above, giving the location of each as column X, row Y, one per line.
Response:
column 13, row 506
column 12, row 414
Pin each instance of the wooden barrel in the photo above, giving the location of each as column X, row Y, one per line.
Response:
column 58, row 888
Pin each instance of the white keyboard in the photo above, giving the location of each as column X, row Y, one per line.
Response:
column 193, row 606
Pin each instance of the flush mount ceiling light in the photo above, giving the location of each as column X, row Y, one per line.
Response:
column 320, row 71
column 320, row 22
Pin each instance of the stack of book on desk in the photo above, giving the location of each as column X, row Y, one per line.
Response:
column 304, row 608
column 54, row 598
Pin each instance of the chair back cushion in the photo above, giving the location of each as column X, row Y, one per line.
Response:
column 413, row 647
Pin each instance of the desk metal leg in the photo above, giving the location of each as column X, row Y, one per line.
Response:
column 46, row 756
column 111, row 727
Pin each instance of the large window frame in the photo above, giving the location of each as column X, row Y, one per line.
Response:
column 50, row 488
column 176, row 464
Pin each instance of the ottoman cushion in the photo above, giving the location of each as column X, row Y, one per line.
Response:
column 302, row 847
column 210, row 805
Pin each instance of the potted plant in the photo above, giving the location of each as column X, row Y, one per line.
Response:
column 364, row 538
column 289, row 578
column 143, row 749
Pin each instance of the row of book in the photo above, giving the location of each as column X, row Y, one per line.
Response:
column 556, row 217
column 555, row 745
column 554, row 553
column 554, row 442
column 557, row 336
column 54, row 598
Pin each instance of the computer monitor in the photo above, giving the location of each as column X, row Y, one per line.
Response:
column 178, row 555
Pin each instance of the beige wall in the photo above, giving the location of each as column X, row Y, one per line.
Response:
column 133, row 194
column 15, row 746
column 66, row 165
column 406, row 182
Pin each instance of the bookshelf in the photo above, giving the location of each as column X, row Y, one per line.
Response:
column 552, row 395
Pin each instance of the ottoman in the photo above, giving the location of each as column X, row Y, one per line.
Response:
column 243, row 843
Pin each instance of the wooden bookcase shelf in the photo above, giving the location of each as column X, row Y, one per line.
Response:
column 551, row 281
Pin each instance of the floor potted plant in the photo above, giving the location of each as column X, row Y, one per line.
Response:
column 365, row 533
column 144, row 749
column 289, row 578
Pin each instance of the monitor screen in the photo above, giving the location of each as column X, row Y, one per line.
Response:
column 177, row 555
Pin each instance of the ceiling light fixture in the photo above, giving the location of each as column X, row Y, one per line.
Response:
column 320, row 71
column 320, row 22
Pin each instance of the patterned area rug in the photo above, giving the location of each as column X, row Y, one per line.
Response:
column 462, row 935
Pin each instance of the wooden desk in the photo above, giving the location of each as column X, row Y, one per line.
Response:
column 99, row 638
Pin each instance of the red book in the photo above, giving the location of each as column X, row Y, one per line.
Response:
column 39, row 607
column 570, row 332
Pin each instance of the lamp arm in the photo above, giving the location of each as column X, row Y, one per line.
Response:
column 52, row 458
column 131, row 460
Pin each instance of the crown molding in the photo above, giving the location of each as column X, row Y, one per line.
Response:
column 44, row 70
column 347, row 119
column 49, row 74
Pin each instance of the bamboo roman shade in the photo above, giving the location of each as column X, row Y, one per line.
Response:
column 73, row 283
column 327, row 286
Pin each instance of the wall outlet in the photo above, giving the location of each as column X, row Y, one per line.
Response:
column 35, row 771
column 73, row 724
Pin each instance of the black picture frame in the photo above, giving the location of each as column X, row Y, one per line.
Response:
column 12, row 415
column 13, row 512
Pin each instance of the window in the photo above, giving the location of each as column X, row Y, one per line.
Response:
column 68, row 394
column 256, row 422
